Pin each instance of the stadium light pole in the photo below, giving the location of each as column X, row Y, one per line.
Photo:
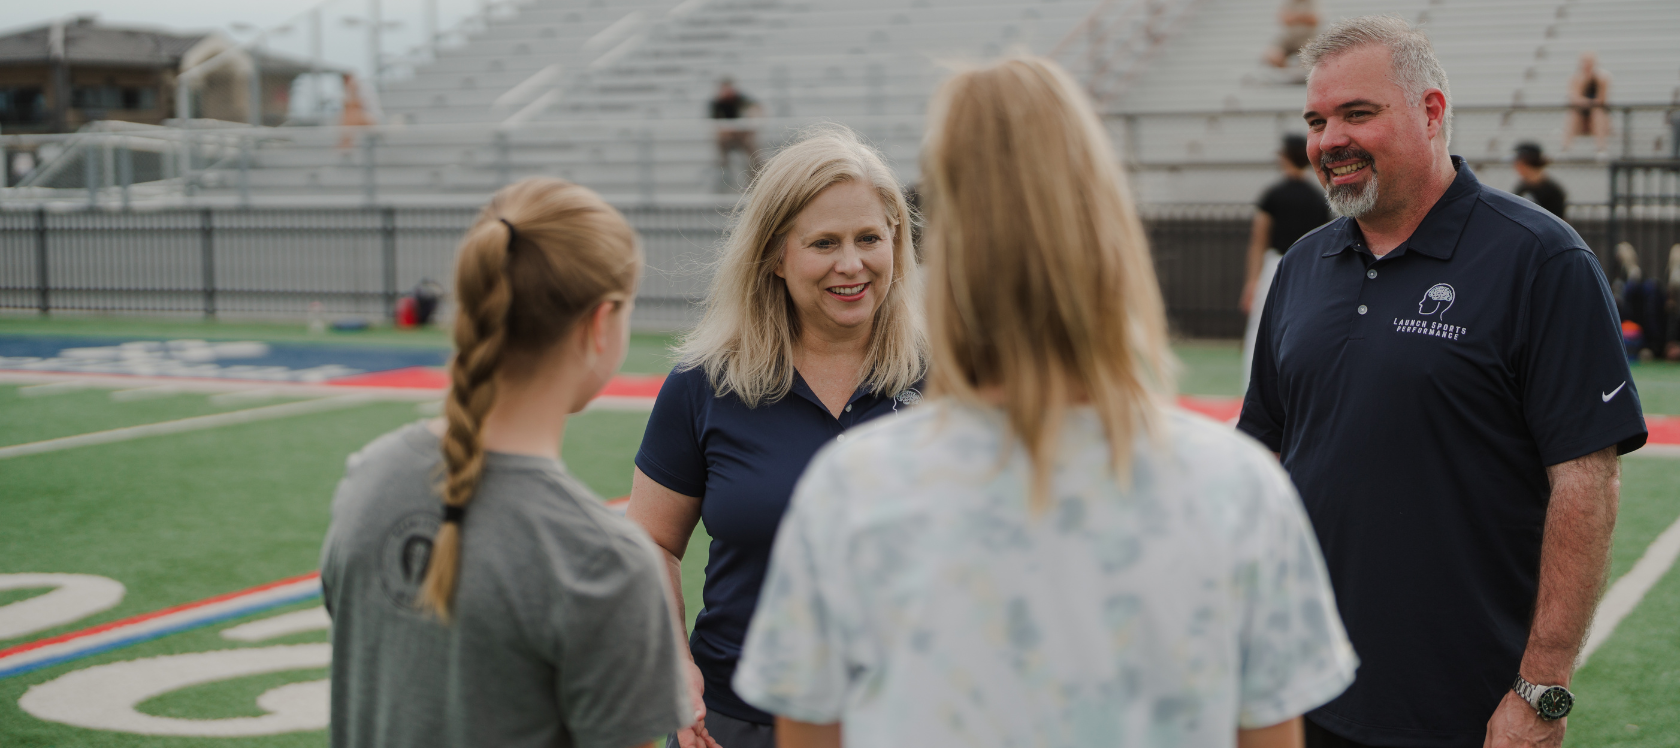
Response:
column 315, row 62
column 375, row 25
column 432, row 28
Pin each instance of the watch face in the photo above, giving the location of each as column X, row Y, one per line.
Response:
column 1555, row 703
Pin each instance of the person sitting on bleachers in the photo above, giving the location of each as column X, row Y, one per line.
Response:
column 1589, row 96
column 1299, row 19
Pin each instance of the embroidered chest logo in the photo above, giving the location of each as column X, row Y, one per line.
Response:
column 1437, row 300
column 1435, row 303
column 907, row 397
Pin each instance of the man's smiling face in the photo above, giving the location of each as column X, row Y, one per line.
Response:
column 1363, row 132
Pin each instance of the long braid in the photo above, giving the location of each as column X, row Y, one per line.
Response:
column 484, row 294
column 538, row 259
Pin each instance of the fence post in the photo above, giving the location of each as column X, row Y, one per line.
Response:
column 90, row 170
column 207, row 252
column 370, row 175
column 244, row 172
column 125, row 171
column 43, row 300
column 388, row 230
column 504, row 165
column 1612, row 232
column 644, row 165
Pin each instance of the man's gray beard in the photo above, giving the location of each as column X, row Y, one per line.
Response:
column 1345, row 201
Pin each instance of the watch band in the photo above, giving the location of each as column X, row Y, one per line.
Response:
column 1528, row 691
column 1532, row 694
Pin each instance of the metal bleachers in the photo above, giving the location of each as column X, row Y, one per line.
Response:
column 1204, row 119
column 615, row 96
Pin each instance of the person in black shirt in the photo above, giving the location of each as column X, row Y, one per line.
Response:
column 1286, row 211
column 1535, row 185
column 727, row 107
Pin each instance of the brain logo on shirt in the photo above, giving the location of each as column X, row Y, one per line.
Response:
column 1437, row 300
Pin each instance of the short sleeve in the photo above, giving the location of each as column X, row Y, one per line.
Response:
column 793, row 663
column 1262, row 411
column 620, row 679
column 1269, row 202
column 1578, row 394
column 1295, row 653
column 671, row 453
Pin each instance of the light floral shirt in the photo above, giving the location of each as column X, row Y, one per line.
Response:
column 913, row 596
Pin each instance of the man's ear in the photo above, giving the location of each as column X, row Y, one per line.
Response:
column 1435, row 110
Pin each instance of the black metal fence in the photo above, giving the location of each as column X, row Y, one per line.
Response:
column 292, row 262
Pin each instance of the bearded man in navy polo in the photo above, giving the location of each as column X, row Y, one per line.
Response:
column 1441, row 372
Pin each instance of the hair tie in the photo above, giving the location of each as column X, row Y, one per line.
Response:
column 513, row 234
column 452, row 513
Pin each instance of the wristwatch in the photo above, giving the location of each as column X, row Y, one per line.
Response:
column 1551, row 702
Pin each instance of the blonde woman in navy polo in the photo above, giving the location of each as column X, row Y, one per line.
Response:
column 812, row 326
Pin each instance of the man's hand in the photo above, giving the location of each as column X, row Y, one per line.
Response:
column 1515, row 724
column 695, row 736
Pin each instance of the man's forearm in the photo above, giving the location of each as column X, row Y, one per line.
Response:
column 1574, row 560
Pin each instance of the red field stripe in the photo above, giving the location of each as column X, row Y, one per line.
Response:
column 413, row 377
column 154, row 614
column 634, row 385
column 1664, row 429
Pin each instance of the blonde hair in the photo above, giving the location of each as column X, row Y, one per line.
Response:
column 745, row 338
column 540, row 257
column 1039, row 276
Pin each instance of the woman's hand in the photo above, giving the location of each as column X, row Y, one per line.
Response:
column 695, row 736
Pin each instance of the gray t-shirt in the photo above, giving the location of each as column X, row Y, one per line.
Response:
column 563, row 632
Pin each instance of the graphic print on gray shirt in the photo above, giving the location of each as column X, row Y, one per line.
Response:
column 563, row 630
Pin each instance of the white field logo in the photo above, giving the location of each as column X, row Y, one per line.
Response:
column 1435, row 303
column 108, row 696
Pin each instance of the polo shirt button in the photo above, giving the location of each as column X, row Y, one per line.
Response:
column 1370, row 273
column 840, row 438
column 848, row 407
column 1362, row 309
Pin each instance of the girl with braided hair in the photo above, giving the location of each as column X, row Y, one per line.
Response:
column 480, row 594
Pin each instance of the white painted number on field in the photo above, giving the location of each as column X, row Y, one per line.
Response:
column 74, row 597
column 104, row 697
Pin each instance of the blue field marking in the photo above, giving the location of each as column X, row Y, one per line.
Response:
column 289, row 362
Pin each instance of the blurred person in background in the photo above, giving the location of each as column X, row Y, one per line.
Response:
column 1672, row 350
column 1532, row 182
column 1298, row 22
column 728, row 107
column 813, row 325
column 1440, row 372
column 1286, row 212
column 1589, row 97
column 1049, row 553
column 480, row 594
column 353, row 114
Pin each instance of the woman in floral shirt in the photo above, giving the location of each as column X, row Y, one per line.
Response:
column 1047, row 553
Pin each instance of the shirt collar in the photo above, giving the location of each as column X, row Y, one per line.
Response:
column 1437, row 236
column 802, row 389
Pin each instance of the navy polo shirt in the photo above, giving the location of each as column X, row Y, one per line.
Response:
column 742, row 463
column 1417, row 400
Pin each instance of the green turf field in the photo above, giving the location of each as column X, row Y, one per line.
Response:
column 177, row 518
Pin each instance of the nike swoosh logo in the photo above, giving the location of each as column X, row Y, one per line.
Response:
column 1613, row 392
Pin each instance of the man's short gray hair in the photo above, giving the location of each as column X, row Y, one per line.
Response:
column 1413, row 66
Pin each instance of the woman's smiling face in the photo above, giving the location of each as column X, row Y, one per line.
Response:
column 837, row 260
